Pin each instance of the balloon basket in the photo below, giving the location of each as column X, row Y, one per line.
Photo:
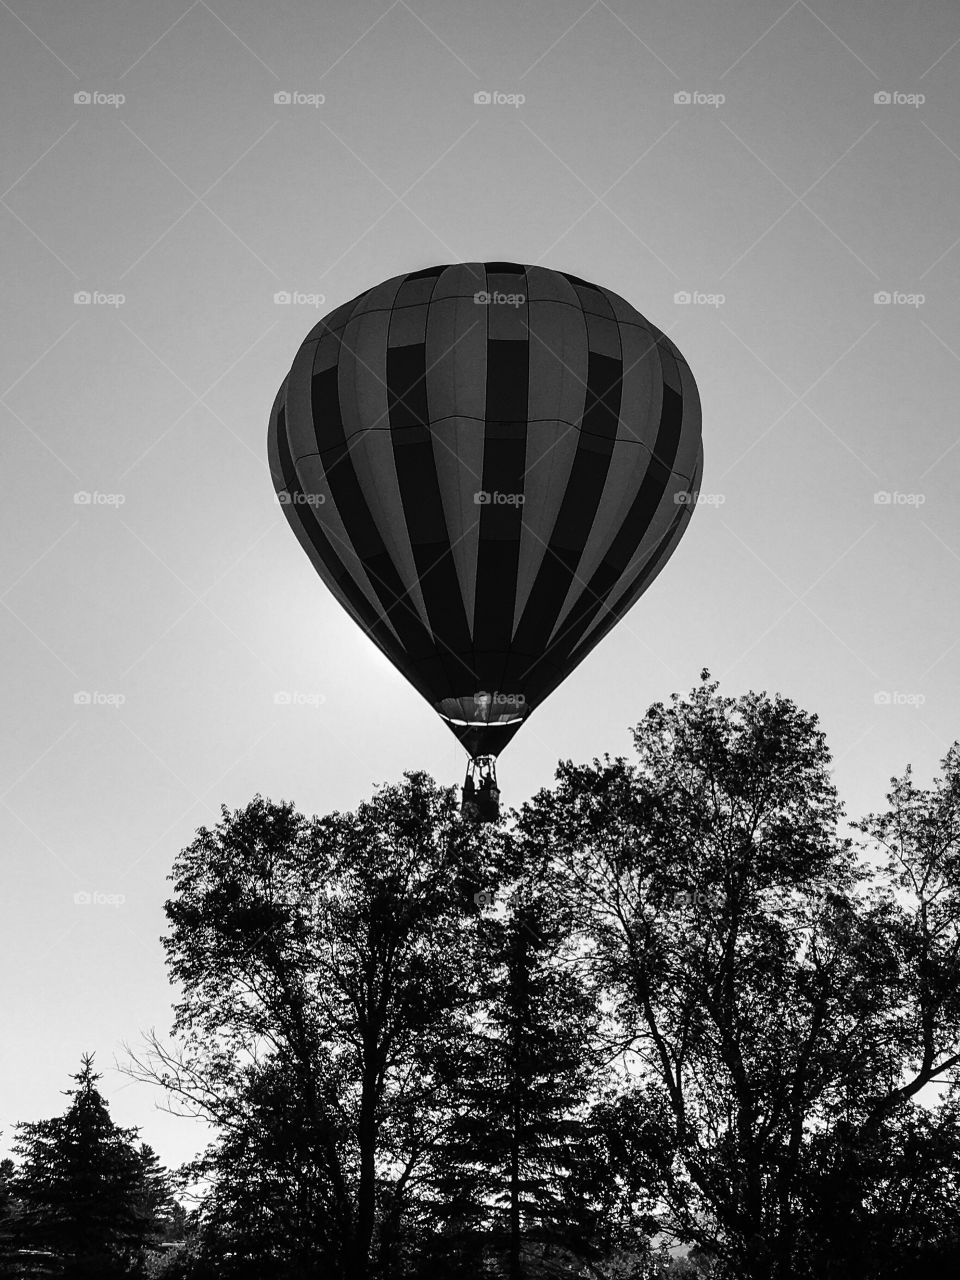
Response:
column 481, row 794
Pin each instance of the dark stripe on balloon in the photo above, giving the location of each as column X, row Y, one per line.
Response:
column 425, row 274
column 646, row 574
column 300, row 511
column 423, row 506
column 347, row 494
column 630, row 534
column 504, row 462
column 542, row 685
column 578, row 509
column 586, row 284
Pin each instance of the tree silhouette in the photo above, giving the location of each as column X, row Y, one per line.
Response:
column 884, row 1185
column 507, row 1170
column 778, row 1000
column 328, row 972
column 89, row 1196
column 697, row 1015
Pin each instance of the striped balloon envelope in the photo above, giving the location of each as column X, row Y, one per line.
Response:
column 487, row 464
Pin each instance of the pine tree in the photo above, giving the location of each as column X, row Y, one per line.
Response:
column 90, row 1197
column 8, row 1215
column 503, row 1180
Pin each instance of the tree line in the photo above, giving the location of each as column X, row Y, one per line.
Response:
column 678, row 1016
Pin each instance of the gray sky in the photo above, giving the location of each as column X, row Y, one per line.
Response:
column 782, row 196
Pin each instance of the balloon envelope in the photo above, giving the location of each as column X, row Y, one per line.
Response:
column 487, row 464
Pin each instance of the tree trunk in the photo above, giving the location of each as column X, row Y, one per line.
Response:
column 367, row 1190
column 513, row 1269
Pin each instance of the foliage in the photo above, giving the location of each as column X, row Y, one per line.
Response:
column 775, row 1000
column 328, row 976
column 87, row 1199
column 698, row 1032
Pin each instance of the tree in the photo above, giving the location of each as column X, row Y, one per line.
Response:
column 779, row 999
column 884, row 1178
column 918, row 838
column 90, row 1196
column 711, row 883
column 883, row 1203
column 511, row 1173
column 328, row 977
column 697, row 1016
column 8, row 1215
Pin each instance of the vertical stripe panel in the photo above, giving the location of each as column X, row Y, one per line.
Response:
column 557, row 395
column 631, row 532
column 352, row 509
column 504, row 460
column 578, row 508
column 456, row 352
column 362, row 384
column 623, row 598
column 354, row 593
column 419, row 486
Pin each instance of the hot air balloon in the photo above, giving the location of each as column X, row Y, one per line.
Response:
column 487, row 464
